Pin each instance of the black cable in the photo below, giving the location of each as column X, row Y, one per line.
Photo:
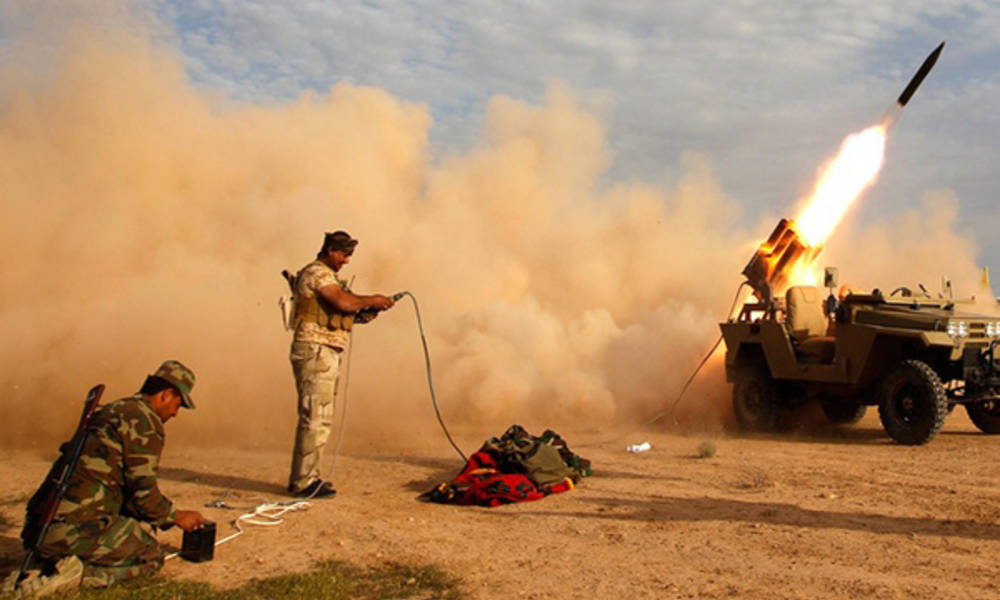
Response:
column 697, row 370
column 437, row 410
column 673, row 407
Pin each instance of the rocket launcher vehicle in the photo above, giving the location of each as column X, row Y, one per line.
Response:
column 773, row 263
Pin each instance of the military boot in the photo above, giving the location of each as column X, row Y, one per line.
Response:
column 67, row 575
column 9, row 585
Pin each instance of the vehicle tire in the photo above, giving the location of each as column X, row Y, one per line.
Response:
column 986, row 416
column 912, row 403
column 842, row 411
column 755, row 400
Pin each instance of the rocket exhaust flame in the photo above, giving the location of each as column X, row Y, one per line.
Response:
column 841, row 182
column 787, row 256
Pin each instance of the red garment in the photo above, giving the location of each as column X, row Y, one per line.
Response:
column 481, row 483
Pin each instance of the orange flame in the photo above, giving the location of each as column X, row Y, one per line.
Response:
column 841, row 181
column 803, row 273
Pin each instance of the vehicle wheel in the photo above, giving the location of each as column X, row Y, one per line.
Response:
column 912, row 403
column 986, row 415
column 842, row 411
column 755, row 400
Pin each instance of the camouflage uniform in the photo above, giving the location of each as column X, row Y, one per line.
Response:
column 112, row 491
column 321, row 334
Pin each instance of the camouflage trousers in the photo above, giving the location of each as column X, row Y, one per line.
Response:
column 112, row 548
column 316, row 368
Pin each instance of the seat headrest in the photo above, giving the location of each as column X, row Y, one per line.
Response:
column 804, row 315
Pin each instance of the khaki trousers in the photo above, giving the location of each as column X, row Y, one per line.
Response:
column 316, row 368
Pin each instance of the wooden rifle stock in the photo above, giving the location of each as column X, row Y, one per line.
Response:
column 59, row 477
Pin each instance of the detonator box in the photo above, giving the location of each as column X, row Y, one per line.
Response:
column 199, row 544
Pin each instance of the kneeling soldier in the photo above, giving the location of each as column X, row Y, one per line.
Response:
column 97, row 537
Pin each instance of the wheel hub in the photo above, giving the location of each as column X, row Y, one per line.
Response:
column 906, row 404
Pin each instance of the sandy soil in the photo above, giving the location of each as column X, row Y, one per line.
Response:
column 821, row 514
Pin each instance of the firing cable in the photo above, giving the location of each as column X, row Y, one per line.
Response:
column 687, row 384
column 343, row 414
column 673, row 407
column 430, row 385
column 430, row 379
column 341, row 431
column 267, row 514
column 270, row 513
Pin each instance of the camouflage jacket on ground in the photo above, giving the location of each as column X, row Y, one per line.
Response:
column 117, row 471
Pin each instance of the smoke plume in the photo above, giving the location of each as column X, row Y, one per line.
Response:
column 145, row 218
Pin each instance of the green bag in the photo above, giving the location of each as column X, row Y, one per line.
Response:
column 540, row 459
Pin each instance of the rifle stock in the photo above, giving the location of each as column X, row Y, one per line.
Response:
column 58, row 479
column 290, row 279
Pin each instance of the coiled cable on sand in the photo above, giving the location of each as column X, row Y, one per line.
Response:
column 269, row 513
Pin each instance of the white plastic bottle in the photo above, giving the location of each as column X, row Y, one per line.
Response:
column 634, row 448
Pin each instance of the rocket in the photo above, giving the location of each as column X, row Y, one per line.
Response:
column 918, row 77
column 769, row 268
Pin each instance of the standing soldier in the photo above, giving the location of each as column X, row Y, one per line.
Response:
column 325, row 311
column 96, row 537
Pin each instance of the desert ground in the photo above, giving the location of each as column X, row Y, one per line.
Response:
column 821, row 513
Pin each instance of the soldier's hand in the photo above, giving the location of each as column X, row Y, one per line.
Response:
column 381, row 302
column 189, row 520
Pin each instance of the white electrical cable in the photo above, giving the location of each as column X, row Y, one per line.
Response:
column 272, row 512
column 267, row 514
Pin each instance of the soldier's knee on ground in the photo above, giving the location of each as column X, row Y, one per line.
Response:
column 67, row 575
column 95, row 576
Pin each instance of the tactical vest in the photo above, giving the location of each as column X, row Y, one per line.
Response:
column 318, row 310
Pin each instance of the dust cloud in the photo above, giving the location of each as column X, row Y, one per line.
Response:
column 145, row 218
column 919, row 245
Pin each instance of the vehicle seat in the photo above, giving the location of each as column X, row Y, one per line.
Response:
column 807, row 324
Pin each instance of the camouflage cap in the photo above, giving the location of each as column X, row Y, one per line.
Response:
column 179, row 376
column 339, row 240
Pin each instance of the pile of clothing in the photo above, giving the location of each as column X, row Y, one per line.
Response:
column 516, row 467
